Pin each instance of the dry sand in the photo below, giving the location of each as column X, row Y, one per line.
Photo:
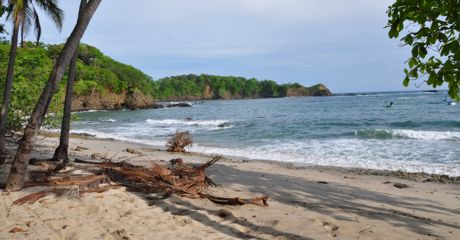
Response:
column 305, row 203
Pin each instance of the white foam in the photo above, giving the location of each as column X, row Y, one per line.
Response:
column 396, row 154
column 103, row 135
column 426, row 135
column 165, row 122
column 353, row 153
column 90, row 111
column 408, row 134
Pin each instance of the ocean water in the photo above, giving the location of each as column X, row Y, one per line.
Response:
column 420, row 133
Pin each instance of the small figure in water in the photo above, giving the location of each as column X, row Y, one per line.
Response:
column 389, row 105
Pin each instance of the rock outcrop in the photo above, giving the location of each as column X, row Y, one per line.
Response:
column 112, row 101
column 315, row 91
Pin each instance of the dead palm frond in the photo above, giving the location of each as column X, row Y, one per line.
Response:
column 184, row 180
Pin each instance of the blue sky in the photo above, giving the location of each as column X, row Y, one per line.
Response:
column 342, row 44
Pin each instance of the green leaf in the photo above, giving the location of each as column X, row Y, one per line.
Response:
column 409, row 39
column 412, row 62
column 442, row 37
column 400, row 27
column 422, row 51
column 393, row 33
column 415, row 52
column 432, row 80
column 432, row 39
column 406, row 81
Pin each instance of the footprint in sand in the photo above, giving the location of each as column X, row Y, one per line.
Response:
column 330, row 228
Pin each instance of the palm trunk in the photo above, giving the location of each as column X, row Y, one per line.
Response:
column 8, row 86
column 18, row 170
column 61, row 152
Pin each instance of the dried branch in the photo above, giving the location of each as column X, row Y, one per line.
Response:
column 179, row 142
column 182, row 179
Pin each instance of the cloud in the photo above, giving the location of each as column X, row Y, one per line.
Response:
column 333, row 41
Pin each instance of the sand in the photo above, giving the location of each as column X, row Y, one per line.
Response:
column 305, row 203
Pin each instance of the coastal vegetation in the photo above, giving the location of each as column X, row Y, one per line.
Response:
column 104, row 83
column 194, row 87
column 432, row 29
column 16, row 176
column 24, row 16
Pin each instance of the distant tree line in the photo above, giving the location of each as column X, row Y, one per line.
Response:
column 225, row 87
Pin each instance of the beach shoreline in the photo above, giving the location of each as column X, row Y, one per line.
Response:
column 304, row 203
column 414, row 176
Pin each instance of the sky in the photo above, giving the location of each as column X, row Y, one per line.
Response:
column 342, row 44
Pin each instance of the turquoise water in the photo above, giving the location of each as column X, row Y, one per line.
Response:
column 421, row 132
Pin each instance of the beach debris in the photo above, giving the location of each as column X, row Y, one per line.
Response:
column 179, row 142
column 97, row 156
column 120, row 234
column 80, row 148
column 73, row 187
column 181, row 179
column 261, row 201
column 16, row 230
column 176, row 161
column 133, row 151
column 400, row 185
column 322, row 182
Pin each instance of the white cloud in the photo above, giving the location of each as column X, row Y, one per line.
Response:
column 286, row 40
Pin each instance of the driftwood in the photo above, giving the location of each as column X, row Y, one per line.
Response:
column 181, row 179
column 179, row 142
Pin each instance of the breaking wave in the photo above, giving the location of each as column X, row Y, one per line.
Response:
column 410, row 134
column 204, row 123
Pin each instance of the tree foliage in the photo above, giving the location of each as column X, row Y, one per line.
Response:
column 32, row 68
column 432, row 29
column 223, row 87
column 96, row 72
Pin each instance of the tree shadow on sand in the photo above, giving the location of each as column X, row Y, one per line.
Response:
column 321, row 198
column 326, row 199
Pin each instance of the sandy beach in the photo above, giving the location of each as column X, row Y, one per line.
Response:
column 304, row 203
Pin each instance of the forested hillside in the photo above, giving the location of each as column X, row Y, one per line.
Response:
column 103, row 83
column 219, row 87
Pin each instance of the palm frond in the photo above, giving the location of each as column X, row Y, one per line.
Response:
column 26, row 20
column 37, row 25
column 52, row 9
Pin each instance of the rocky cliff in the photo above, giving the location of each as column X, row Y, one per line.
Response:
column 316, row 90
column 112, row 101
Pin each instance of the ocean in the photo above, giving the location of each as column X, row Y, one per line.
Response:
column 419, row 133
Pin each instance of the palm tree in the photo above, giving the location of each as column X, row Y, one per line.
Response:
column 23, row 14
column 61, row 152
column 30, row 17
column 18, row 170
